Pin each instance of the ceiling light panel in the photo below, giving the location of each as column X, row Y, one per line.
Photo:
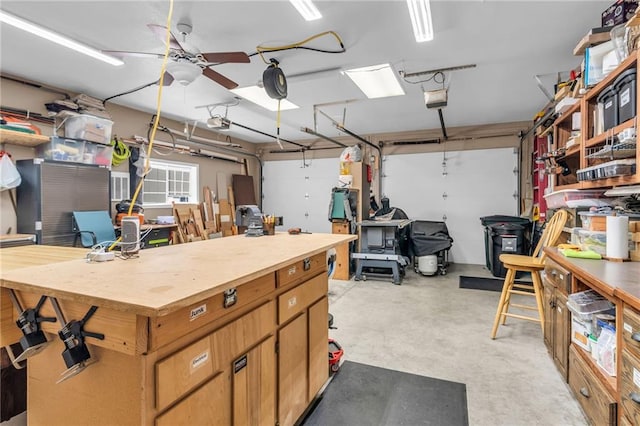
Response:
column 420, row 12
column 307, row 9
column 57, row 38
column 377, row 81
column 259, row 96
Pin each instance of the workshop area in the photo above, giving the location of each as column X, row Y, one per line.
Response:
column 319, row 212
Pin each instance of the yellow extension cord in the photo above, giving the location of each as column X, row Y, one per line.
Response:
column 157, row 117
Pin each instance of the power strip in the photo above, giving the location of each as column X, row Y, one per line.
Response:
column 101, row 256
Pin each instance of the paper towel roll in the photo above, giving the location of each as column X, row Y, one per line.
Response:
column 618, row 237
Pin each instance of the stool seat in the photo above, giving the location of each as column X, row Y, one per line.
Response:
column 533, row 264
column 521, row 261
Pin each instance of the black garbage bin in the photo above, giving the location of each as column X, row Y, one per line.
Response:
column 506, row 238
column 487, row 221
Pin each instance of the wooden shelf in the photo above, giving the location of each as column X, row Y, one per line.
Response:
column 577, row 185
column 575, row 149
column 567, row 114
column 610, row 182
column 630, row 62
column 20, row 138
column 603, row 136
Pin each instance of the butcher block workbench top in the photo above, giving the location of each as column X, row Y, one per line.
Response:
column 162, row 280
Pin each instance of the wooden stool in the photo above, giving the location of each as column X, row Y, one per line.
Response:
column 533, row 264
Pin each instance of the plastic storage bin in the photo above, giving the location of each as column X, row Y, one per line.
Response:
column 62, row 149
column 625, row 86
column 89, row 128
column 575, row 198
column 609, row 99
column 97, row 154
column 592, row 240
column 586, row 303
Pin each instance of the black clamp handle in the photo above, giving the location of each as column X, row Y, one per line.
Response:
column 75, row 329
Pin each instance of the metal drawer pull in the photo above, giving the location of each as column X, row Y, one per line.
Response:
column 635, row 397
column 636, row 337
column 585, row 392
column 306, row 264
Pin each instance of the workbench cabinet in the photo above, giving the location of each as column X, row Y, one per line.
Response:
column 254, row 353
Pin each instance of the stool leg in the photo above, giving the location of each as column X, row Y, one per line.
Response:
column 501, row 304
column 507, row 301
column 537, row 288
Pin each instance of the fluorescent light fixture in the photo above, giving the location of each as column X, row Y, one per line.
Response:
column 259, row 96
column 57, row 38
column 307, row 9
column 376, row 81
column 420, row 11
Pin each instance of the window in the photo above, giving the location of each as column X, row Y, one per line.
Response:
column 119, row 186
column 169, row 181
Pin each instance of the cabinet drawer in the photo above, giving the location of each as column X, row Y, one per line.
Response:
column 167, row 328
column 630, row 386
column 295, row 300
column 631, row 330
column 302, row 269
column 598, row 405
column 557, row 276
column 184, row 370
column 209, row 405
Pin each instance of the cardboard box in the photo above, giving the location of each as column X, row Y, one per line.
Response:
column 619, row 12
column 580, row 331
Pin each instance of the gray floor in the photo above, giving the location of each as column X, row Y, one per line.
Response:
column 429, row 326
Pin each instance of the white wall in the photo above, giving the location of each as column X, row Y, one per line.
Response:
column 478, row 183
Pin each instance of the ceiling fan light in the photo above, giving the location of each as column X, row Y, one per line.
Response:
column 184, row 72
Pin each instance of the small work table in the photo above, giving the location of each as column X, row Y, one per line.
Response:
column 217, row 332
column 380, row 247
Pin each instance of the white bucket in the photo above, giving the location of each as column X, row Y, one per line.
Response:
column 428, row 265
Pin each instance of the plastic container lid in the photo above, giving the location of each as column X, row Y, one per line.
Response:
column 586, row 303
column 625, row 77
column 607, row 94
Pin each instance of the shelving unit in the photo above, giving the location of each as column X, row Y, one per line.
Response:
column 590, row 148
column 20, row 138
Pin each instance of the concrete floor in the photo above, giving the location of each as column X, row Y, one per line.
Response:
column 429, row 326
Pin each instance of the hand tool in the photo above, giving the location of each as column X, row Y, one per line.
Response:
column 296, row 231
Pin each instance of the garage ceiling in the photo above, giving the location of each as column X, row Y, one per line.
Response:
column 510, row 42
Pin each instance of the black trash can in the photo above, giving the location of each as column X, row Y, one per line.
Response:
column 487, row 221
column 506, row 238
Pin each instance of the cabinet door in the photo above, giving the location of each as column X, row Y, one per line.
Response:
column 548, row 315
column 318, row 346
column 254, row 382
column 561, row 333
column 209, row 405
column 292, row 370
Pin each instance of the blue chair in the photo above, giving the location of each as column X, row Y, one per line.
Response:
column 93, row 227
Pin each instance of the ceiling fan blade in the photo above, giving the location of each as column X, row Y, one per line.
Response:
column 226, row 57
column 219, row 78
column 121, row 54
column 161, row 33
column 167, row 80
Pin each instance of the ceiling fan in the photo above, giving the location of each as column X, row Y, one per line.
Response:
column 187, row 62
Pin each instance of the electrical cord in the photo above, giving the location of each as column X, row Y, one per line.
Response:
column 121, row 151
column 433, row 77
column 260, row 49
column 157, row 116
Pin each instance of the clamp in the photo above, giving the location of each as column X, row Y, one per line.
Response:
column 33, row 340
column 76, row 353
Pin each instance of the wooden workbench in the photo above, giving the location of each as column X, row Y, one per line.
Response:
column 174, row 352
